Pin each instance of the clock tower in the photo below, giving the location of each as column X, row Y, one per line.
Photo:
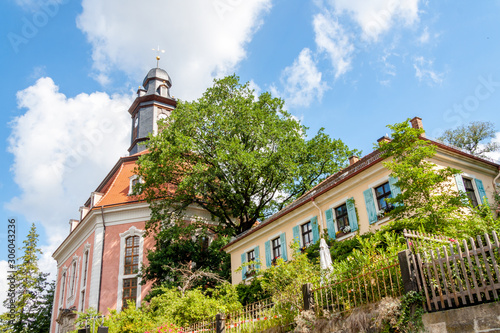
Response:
column 153, row 102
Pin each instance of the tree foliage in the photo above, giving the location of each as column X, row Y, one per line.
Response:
column 472, row 137
column 236, row 155
column 33, row 294
column 429, row 199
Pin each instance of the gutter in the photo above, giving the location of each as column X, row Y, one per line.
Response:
column 102, row 258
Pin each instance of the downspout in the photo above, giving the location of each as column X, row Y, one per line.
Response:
column 495, row 189
column 323, row 226
column 102, row 258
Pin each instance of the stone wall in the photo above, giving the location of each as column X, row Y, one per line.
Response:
column 475, row 319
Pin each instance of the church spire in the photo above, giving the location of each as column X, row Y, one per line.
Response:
column 153, row 102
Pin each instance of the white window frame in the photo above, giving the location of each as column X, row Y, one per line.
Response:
column 131, row 181
column 64, row 288
column 72, row 290
column 84, row 274
column 132, row 231
column 473, row 182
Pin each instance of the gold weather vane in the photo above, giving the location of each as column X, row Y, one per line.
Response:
column 158, row 51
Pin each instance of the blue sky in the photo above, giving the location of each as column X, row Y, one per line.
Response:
column 351, row 66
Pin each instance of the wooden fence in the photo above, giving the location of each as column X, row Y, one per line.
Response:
column 457, row 273
column 374, row 283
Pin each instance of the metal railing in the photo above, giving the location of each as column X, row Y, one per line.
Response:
column 375, row 282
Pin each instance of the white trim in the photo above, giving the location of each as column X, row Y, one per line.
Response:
column 84, row 274
column 95, row 276
column 73, row 287
column 132, row 231
column 63, row 285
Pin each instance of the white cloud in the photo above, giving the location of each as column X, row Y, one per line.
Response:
column 202, row 39
column 424, row 37
column 62, row 149
column 302, row 81
column 424, row 71
column 495, row 155
column 378, row 16
column 332, row 39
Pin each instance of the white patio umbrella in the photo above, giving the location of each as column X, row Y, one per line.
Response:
column 325, row 258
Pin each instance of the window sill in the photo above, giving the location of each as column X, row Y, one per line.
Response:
column 382, row 220
column 345, row 236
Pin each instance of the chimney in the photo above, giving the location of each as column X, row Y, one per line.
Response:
column 417, row 123
column 353, row 159
column 73, row 223
column 385, row 138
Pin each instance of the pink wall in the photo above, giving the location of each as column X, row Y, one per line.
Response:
column 67, row 263
column 111, row 262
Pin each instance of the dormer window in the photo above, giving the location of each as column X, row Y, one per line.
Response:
column 134, row 180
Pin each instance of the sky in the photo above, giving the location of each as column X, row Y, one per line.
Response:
column 70, row 69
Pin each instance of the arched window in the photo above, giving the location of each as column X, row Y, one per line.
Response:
column 131, row 255
column 131, row 267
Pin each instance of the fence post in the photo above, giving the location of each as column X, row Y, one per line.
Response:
column 220, row 323
column 408, row 272
column 307, row 295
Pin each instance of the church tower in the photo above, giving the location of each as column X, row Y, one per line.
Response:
column 153, row 102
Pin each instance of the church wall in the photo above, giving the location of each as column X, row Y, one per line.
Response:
column 112, row 273
column 68, row 301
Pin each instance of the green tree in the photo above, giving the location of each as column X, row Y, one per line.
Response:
column 472, row 137
column 428, row 197
column 238, row 156
column 33, row 294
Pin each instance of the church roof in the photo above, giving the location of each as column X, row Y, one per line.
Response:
column 157, row 73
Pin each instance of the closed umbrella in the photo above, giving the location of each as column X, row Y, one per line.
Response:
column 325, row 258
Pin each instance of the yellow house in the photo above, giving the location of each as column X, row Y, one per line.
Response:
column 348, row 201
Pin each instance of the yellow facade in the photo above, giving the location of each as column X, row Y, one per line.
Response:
column 356, row 182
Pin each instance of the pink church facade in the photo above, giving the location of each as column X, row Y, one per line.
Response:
column 98, row 264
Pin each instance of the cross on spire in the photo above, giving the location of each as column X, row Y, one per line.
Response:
column 158, row 51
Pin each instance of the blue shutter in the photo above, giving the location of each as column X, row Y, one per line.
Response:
column 244, row 268
column 370, row 206
column 330, row 225
column 257, row 257
column 394, row 188
column 296, row 234
column 269, row 258
column 460, row 183
column 351, row 214
column 461, row 187
column 315, row 229
column 283, row 246
column 481, row 191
